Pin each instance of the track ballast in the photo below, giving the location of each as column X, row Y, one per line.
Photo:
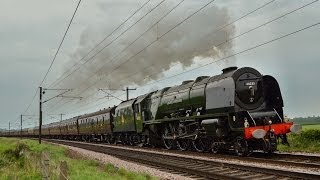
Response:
column 187, row 166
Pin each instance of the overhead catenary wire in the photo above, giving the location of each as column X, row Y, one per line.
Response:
column 260, row 7
column 239, row 35
column 55, row 56
column 36, row 94
column 121, row 34
column 257, row 27
column 94, row 105
column 155, row 24
column 105, row 38
column 33, row 98
column 147, row 31
column 163, row 35
column 142, row 33
column 59, row 47
column 241, row 52
column 117, row 97
column 158, row 38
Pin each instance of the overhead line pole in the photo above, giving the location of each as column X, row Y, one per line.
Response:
column 40, row 104
column 21, row 126
column 61, row 117
column 21, row 121
column 9, row 128
column 127, row 90
column 40, row 115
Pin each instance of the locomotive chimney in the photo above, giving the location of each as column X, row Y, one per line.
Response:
column 186, row 82
column 200, row 78
column 229, row 69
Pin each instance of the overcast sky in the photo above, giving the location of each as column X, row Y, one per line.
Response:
column 32, row 30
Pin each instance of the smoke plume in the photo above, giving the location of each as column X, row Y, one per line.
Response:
column 196, row 37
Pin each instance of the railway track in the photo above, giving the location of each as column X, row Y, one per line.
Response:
column 192, row 167
column 280, row 159
column 294, row 160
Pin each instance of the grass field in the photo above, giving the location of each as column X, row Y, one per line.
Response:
column 311, row 126
column 20, row 159
column 306, row 141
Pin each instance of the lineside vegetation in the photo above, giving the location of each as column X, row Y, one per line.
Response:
column 20, row 159
column 307, row 141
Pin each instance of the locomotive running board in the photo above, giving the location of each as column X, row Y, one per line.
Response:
column 186, row 119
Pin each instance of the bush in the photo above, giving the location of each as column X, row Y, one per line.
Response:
column 309, row 135
column 306, row 141
column 3, row 162
column 17, row 152
column 19, row 159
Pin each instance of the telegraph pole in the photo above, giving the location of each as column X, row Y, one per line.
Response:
column 21, row 121
column 40, row 114
column 60, row 122
column 61, row 117
column 42, row 91
column 9, row 128
column 127, row 90
column 21, row 126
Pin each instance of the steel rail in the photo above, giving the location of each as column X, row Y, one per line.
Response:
column 209, row 169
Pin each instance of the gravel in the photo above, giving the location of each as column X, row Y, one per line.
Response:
column 105, row 159
column 301, row 153
column 229, row 160
column 164, row 175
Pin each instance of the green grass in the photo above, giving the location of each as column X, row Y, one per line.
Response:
column 306, row 141
column 16, row 162
column 20, row 159
column 311, row 126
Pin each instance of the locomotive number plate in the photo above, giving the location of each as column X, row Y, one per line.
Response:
column 250, row 83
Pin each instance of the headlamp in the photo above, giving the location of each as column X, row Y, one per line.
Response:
column 259, row 133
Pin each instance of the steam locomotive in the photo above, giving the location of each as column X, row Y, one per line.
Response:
column 239, row 110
